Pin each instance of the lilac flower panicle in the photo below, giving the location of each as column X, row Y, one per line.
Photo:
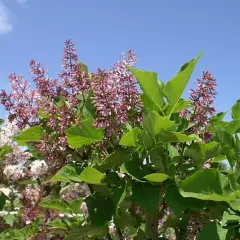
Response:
column 74, row 78
column 115, row 95
column 22, row 102
column 202, row 105
column 46, row 87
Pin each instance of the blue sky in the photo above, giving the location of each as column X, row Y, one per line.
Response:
column 164, row 34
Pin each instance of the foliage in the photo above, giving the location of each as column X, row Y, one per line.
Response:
column 104, row 160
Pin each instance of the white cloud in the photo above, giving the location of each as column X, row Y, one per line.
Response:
column 21, row 1
column 5, row 24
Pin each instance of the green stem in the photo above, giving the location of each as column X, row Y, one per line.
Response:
column 151, row 226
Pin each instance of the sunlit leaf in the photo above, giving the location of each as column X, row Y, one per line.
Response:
column 84, row 134
column 153, row 123
column 57, row 205
column 236, row 110
column 129, row 139
column 32, row 134
column 157, row 177
column 177, row 203
column 176, row 86
column 149, row 84
column 4, row 150
column 168, row 137
column 58, row 223
column 65, row 174
column 91, row 175
column 201, row 152
column 207, row 184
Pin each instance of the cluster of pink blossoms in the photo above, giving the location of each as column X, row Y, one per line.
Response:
column 116, row 96
column 202, row 105
column 22, row 102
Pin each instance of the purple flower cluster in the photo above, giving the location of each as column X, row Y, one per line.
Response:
column 202, row 105
column 74, row 77
column 46, row 87
column 115, row 96
column 22, row 102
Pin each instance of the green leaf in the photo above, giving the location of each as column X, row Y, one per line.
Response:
column 32, row 229
column 32, row 134
column 182, row 104
column 201, row 152
column 84, row 67
column 131, row 168
column 219, row 158
column 1, row 121
column 124, row 219
column 91, row 175
column 176, row 86
column 141, row 235
column 230, row 217
column 157, row 177
column 173, row 151
column 177, row 203
column 148, row 103
column 159, row 158
column 75, row 205
column 58, row 223
column 213, row 231
column 153, row 123
column 230, row 154
column 235, row 204
column 118, row 194
column 3, row 199
column 236, row 110
column 149, row 84
column 228, row 144
column 89, row 104
column 147, row 197
column 207, row 184
column 42, row 114
column 4, row 150
column 87, row 231
column 65, row 174
column 84, row 134
column 86, row 113
column 182, row 124
column 146, row 139
column 114, row 160
column 232, row 127
column 12, row 234
column 10, row 219
column 25, row 182
column 56, row 205
column 217, row 118
column 168, row 137
column 100, row 209
column 130, row 138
